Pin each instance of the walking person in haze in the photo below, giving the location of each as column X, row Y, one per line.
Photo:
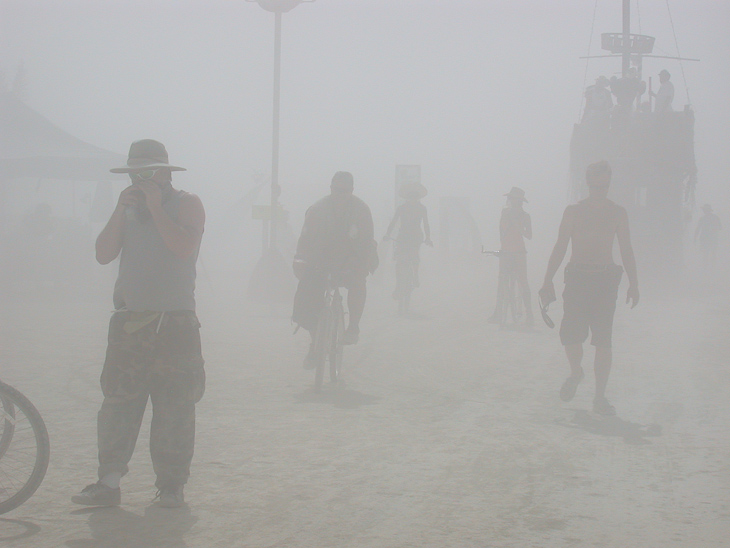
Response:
column 412, row 215
column 515, row 225
column 154, row 340
column 336, row 239
column 591, row 280
column 707, row 230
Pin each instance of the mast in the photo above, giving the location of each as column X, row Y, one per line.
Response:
column 626, row 54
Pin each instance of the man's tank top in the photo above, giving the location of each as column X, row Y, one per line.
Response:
column 151, row 277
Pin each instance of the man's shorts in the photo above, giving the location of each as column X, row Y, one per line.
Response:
column 589, row 302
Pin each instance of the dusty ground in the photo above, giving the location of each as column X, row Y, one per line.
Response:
column 449, row 432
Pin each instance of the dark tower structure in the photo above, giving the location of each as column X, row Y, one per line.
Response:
column 651, row 153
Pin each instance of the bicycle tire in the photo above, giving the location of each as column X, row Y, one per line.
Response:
column 7, row 411
column 336, row 346
column 25, row 461
column 321, row 348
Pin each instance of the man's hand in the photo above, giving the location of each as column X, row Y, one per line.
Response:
column 428, row 242
column 547, row 293
column 130, row 196
column 632, row 295
column 152, row 194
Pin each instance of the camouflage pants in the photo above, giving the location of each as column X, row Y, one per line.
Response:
column 157, row 357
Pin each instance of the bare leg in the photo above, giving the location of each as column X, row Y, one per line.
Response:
column 356, row 295
column 526, row 295
column 602, row 368
column 501, row 285
column 575, row 357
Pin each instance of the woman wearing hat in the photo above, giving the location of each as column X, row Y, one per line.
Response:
column 412, row 215
column 515, row 225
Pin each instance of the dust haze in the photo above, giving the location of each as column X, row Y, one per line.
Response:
column 449, row 430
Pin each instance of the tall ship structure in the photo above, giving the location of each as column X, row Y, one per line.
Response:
column 649, row 144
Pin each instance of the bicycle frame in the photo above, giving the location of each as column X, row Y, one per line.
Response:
column 24, row 448
column 328, row 337
column 509, row 296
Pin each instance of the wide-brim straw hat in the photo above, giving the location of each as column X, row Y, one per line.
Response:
column 146, row 154
column 412, row 191
column 517, row 193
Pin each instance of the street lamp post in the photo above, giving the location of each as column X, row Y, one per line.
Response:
column 271, row 256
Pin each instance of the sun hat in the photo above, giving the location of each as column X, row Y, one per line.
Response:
column 517, row 193
column 412, row 191
column 146, row 154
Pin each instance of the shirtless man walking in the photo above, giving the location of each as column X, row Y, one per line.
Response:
column 591, row 280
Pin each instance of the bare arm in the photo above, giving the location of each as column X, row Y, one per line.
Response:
column 109, row 241
column 181, row 237
column 547, row 292
column 627, row 258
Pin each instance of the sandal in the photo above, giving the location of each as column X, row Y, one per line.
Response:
column 567, row 391
column 602, row 407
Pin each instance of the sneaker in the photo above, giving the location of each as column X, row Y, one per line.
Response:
column 170, row 497
column 98, row 494
column 602, row 407
column 567, row 391
column 351, row 336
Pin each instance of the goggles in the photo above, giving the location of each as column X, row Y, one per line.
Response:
column 145, row 175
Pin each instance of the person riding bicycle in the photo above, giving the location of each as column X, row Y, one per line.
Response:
column 336, row 240
column 515, row 225
column 412, row 214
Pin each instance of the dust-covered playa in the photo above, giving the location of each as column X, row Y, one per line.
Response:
column 449, row 432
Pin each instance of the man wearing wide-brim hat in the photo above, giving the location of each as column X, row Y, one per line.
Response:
column 154, row 340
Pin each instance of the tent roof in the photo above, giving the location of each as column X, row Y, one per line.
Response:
column 31, row 146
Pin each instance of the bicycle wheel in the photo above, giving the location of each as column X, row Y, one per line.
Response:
column 7, row 416
column 336, row 346
column 321, row 347
column 24, row 463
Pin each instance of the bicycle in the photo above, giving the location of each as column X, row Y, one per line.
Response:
column 510, row 307
column 328, row 346
column 24, row 448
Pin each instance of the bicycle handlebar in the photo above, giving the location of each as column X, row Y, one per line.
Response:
column 490, row 252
